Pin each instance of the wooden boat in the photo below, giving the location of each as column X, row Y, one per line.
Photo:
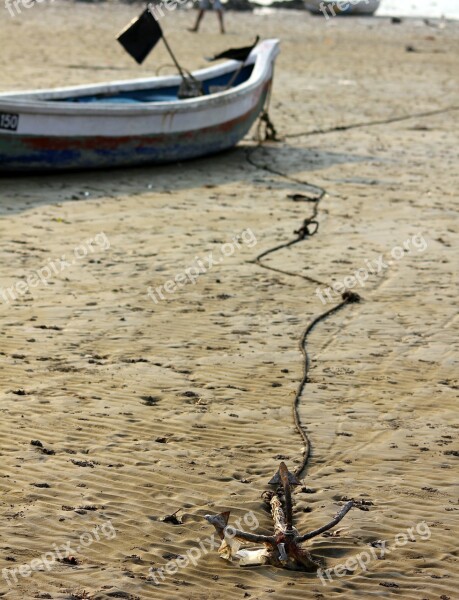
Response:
column 134, row 122
column 332, row 8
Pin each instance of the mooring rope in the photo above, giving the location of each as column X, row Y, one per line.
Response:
column 304, row 232
column 389, row 121
column 301, row 234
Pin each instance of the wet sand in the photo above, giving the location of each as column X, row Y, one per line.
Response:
column 143, row 408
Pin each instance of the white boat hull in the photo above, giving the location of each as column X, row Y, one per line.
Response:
column 44, row 130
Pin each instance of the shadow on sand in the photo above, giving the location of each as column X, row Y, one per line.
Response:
column 22, row 192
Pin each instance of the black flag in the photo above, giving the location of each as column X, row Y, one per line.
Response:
column 241, row 54
column 141, row 36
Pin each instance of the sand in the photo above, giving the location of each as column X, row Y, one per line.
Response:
column 143, row 408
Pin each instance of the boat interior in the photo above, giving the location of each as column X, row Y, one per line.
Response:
column 163, row 94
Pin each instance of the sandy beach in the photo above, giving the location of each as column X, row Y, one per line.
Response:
column 119, row 408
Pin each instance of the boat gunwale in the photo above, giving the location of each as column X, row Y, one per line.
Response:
column 262, row 58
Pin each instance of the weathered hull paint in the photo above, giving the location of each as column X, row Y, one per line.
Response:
column 38, row 153
column 86, row 127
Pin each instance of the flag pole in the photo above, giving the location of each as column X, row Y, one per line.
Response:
column 169, row 49
column 172, row 55
column 236, row 75
column 190, row 84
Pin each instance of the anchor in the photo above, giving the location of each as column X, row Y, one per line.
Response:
column 284, row 548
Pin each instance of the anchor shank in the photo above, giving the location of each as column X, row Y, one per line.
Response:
column 283, row 472
column 280, row 525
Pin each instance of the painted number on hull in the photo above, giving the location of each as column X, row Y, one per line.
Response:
column 9, row 121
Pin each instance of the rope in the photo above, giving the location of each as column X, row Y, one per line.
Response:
column 303, row 233
column 309, row 228
column 373, row 123
column 270, row 133
column 348, row 298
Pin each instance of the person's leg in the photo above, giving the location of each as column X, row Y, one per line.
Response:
column 221, row 20
column 218, row 7
column 198, row 21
